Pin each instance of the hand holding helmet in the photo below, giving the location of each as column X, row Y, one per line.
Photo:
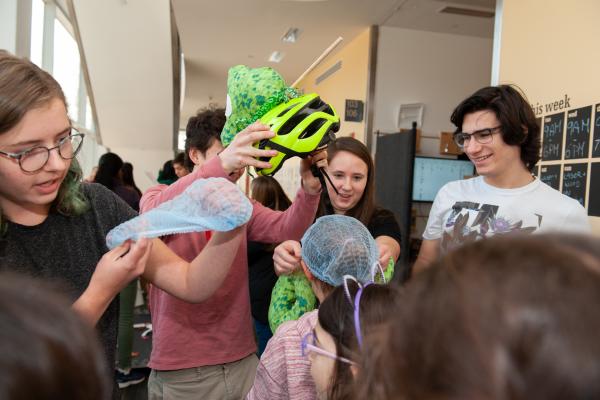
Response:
column 241, row 153
column 302, row 124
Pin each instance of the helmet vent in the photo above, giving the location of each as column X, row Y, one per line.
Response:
column 291, row 124
column 312, row 128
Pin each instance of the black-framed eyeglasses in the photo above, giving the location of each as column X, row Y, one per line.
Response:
column 34, row 159
column 483, row 136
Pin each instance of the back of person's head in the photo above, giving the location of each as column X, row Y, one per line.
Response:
column 363, row 211
column 338, row 245
column 203, row 130
column 268, row 192
column 337, row 316
column 517, row 120
column 109, row 166
column 127, row 176
column 48, row 351
column 507, row 317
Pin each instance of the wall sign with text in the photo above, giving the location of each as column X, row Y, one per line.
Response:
column 354, row 110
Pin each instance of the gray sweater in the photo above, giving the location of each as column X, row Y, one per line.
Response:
column 65, row 250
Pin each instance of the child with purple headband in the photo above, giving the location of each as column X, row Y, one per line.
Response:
column 346, row 316
column 333, row 247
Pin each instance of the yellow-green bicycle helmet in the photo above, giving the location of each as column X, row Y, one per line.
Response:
column 301, row 126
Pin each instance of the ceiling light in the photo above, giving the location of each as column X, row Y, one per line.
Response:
column 291, row 36
column 276, row 56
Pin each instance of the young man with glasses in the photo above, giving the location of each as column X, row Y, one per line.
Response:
column 499, row 133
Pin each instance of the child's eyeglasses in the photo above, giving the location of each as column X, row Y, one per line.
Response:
column 309, row 344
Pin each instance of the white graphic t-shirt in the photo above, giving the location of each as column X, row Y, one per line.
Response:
column 470, row 209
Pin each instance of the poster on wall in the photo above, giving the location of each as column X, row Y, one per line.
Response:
column 553, row 137
column 550, row 175
column 574, row 181
column 596, row 142
column 579, row 125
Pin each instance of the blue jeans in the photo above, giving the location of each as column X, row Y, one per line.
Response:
column 263, row 334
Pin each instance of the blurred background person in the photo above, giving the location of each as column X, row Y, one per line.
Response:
column 166, row 175
column 179, row 165
column 127, row 178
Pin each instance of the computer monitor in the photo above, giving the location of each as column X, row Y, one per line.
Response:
column 430, row 174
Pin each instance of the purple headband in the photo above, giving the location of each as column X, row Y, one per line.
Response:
column 356, row 305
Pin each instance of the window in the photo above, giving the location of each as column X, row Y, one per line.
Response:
column 67, row 67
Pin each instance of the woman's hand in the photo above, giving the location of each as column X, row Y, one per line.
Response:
column 113, row 272
column 310, row 183
column 388, row 248
column 121, row 265
column 286, row 257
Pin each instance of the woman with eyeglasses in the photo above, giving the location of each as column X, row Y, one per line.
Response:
column 53, row 227
column 346, row 317
column 497, row 130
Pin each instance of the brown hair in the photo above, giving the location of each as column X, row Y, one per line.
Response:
column 24, row 87
column 48, row 351
column 518, row 122
column 364, row 209
column 336, row 317
column 268, row 192
column 502, row 318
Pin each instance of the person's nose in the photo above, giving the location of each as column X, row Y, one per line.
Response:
column 471, row 146
column 346, row 184
column 55, row 161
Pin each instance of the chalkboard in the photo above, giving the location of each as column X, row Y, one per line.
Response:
column 553, row 137
column 579, row 126
column 550, row 175
column 574, row 181
column 596, row 143
column 594, row 200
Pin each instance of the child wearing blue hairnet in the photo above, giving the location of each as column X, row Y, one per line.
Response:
column 334, row 246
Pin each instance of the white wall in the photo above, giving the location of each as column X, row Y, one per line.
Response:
column 8, row 25
column 127, row 46
column 436, row 69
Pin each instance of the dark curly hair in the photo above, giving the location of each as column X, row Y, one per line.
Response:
column 202, row 130
column 519, row 125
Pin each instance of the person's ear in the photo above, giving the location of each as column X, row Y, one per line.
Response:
column 307, row 272
column 196, row 156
